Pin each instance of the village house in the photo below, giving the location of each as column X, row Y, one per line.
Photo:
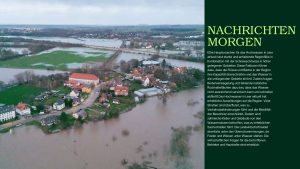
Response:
column 59, row 105
column 139, row 94
column 136, row 99
column 149, row 92
column 136, row 74
column 41, row 97
column 74, row 94
column 149, row 46
column 146, row 81
column 76, row 101
column 121, row 91
column 48, row 121
column 84, row 78
column 103, row 98
column 150, row 63
column 81, row 113
column 179, row 70
column 114, row 83
column 116, row 101
column 79, row 87
column 71, row 83
column 23, row 109
column 48, row 109
column 86, row 89
column 7, row 113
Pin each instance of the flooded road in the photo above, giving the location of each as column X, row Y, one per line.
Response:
column 103, row 145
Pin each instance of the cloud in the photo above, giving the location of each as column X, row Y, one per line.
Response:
column 102, row 12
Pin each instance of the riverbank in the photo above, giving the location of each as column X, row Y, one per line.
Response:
column 94, row 114
column 147, row 130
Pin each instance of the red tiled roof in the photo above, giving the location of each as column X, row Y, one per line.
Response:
column 121, row 88
column 72, row 82
column 22, row 106
column 79, row 87
column 136, row 72
column 84, row 76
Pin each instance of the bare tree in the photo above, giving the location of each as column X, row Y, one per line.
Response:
column 124, row 66
column 28, row 75
column 20, row 78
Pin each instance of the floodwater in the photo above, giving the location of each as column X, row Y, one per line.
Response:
column 101, row 145
column 18, row 50
column 82, row 51
column 173, row 62
column 128, row 56
column 8, row 74
column 85, row 41
column 179, row 63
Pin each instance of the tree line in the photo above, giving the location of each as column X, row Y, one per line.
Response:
column 48, row 82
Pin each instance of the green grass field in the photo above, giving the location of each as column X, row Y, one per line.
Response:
column 53, row 60
column 22, row 93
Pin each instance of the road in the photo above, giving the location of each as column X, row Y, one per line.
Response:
column 87, row 103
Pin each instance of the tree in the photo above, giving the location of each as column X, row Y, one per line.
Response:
column 144, row 165
column 164, row 63
column 24, row 77
column 7, row 54
column 20, row 78
column 28, row 75
column 188, row 52
column 66, row 120
column 1, row 83
column 68, row 102
column 160, row 74
column 63, row 117
column 133, row 63
column 173, row 86
column 40, row 107
column 155, row 57
column 25, row 52
column 124, row 66
column 198, row 75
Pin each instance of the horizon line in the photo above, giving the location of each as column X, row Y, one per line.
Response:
column 17, row 24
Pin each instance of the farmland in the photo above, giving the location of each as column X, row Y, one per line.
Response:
column 57, row 60
column 22, row 93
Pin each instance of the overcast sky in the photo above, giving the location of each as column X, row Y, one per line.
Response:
column 102, row 12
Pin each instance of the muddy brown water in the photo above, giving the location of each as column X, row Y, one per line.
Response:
column 103, row 145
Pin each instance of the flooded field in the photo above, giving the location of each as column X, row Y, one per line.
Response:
column 173, row 62
column 85, row 41
column 18, row 50
column 8, row 74
column 103, row 145
column 84, row 52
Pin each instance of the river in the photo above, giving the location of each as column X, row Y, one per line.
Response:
column 101, row 145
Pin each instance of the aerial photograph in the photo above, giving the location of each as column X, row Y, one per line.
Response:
column 102, row 84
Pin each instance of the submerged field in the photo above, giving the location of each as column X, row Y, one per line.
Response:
column 61, row 60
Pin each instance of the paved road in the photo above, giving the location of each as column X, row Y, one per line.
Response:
column 87, row 103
